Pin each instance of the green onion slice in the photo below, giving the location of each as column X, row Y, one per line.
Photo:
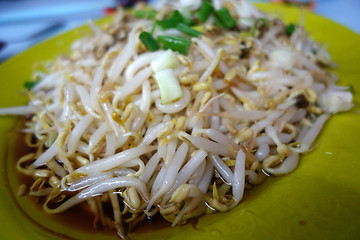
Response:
column 225, row 17
column 188, row 30
column 167, row 60
column 170, row 89
column 143, row 13
column 151, row 14
column 173, row 20
column 350, row 88
column 218, row 22
column 140, row 13
column 30, row 85
column 205, row 10
column 289, row 29
column 149, row 41
column 175, row 43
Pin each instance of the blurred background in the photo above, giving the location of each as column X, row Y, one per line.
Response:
column 24, row 23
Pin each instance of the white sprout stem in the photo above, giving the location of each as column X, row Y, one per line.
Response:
column 42, row 192
column 96, row 137
column 187, row 171
column 135, row 162
column 132, row 85
column 198, row 174
column 251, row 115
column 88, row 181
column 170, row 151
column 175, row 106
column 68, row 98
column 84, row 97
column 110, row 121
column 47, row 155
column 281, row 108
column 271, row 132
column 212, row 102
column 162, row 150
column 110, row 147
column 171, row 174
column 208, row 174
column 82, row 147
column 205, row 144
column 217, row 136
column 116, row 211
column 58, row 170
column 150, row 168
column 191, row 206
column 125, row 55
column 238, row 182
column 215, row 107
column 144, row 106
column 49, row 81
column 289, row 164
column 95, row 88
column 151, row 134
column 209, row 53
column 105, row 164
column 262, row 152
column 20, row 110
column 142, row 61
column 281, row 138
column 101, row 187
column 158, row 180
column 215, row 62
column 300, row 114
column 311, row 135
column 222, row 168
column 77, row 132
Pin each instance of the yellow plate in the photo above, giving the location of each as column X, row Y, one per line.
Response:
column 319, row 200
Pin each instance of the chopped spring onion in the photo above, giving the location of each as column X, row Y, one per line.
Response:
column 188, row 30
column 187, row 21
column 166, row 60
column 167, row 23
column 149, row 41
column 29, row 85
column 173, row 20
column 205, row 10
column 153, row 27
column 218, row 22
column 350, row 88
column 151, row 14
column 170, row 89
column 225, row 17
column 175, row 43
column 140, row 13
column 290, row 29
column 143, row 13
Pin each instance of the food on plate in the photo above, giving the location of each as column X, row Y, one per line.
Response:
column 175, row 111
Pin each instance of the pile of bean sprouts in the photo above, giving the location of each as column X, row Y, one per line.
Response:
column 253, row 101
